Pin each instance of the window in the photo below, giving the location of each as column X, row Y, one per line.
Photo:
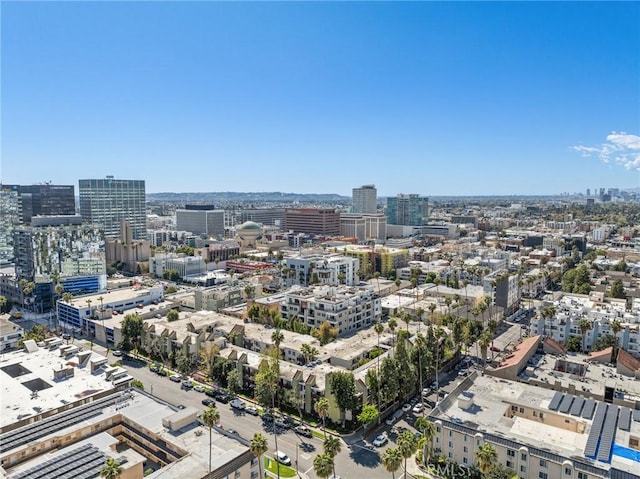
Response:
column 450, row 456
column 450, row 445
column 521, row 410
column 582, row 475
column 567, row 471
column 523, row 468
column 541, row 415
column 465, row 438
column 535, row 413
column 543, row 475
column 633, row 442
column 465, row 460
column 511, row 453
column 514, row 408
column 510, row 464
column 523, row 457
column 567, row 421
column 450, row 433
column 466, row 449
column 543, row 463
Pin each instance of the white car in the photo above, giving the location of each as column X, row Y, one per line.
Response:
column 406, row 407
column 237, row 404
column 199, row 388
column 282, row 458
column 381, row 440
column 418, row 408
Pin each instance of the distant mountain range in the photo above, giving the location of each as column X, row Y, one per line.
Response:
column 233, row 197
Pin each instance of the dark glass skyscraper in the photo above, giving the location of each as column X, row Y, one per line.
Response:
column 106, row 201
column 45, row 200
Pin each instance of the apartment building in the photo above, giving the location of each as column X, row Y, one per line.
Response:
column 537, row 432
column 407, row 210
column 364, row 227
column 320, row 269
column 570, row 310
column 10, row 333
column 502, row 287
column 347, row 308
column 364, row 200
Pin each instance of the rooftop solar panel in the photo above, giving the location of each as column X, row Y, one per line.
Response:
column 576, row 407
column 608, row 434
column 566, row 402
column 636, row 415
column 588, row 408
column 594, row 433
column 555, row 401
column 624, row 419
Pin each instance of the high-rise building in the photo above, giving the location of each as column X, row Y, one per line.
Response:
column 45, row 200
column 106, row 201
column 365, row 200
column 407, row 210
column 208, row 222
column 316, row 221
column 10, row 218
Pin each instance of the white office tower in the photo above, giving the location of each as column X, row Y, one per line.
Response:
column 365, row 200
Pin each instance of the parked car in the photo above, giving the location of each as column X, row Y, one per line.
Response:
column 154, row 368
column 176, row 378
column 208, row 402
column 426, row 391
column 303, row 431
column 251, row 410
column 223, row 398
column 381, row 440
column 418, row 408
column 237, row 404
column 211, row 393
column 186, row 385
column 494, row 349
column 267, row 417
column 199, row 388
column 279, row 422
column 406, row 407
column 282, row 458
column 163, row 372
column 117, row 352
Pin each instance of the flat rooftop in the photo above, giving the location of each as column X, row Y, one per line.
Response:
column 22, row 374
column 492, row 400
column 111, row 296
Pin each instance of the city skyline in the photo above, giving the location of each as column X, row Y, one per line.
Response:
column 436, row 99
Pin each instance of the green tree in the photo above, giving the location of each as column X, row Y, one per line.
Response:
column 407, row 445
column 258, row 446
column 322, row 410
column 428, row 430
column 486, row 458
column 234, row 381
column 38, row 333
column 173, row 315
column 327, row 333
column 323, row 465
column 369, row 414
column 111, row 469
column 617, row 290
column 392, row 460
column 5, row 305
column 343, row 386
column 309, row 352
column 136, row 383
column 574, row 344
column 210, row 418
column 131, row 330
column 584, row 325
column 332, row 446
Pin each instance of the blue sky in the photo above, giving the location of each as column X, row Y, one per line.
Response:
column 433, row 98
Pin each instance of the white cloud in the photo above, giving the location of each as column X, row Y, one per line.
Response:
column 620, row 148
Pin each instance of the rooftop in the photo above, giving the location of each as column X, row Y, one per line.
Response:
column 28, row 386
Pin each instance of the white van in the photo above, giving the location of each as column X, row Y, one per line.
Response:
column 282, row 458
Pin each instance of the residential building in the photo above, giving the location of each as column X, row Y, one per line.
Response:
column 363, row 226
column 365, row 200
column 347, row 308
column 10, row 218
column 504, row 291
column 206, row 222
column 316, row 221
column 106, row 201
column 218, row 251
column 407, row 210
column 536, row 432
column 377, row 258
column 87, row 413
column 10, row 333
column 320, row 269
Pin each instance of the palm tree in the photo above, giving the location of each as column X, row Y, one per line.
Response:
column 393, row 324
column 432, row 309
column 419, row 314
column 111, row 469
column 332, row 447
column 484, row 341
column 585, row 325
column 486, row 458
column 323, row 465
column 67, row 297
column 407, row 446
column 277, row 337
column 258, row 446
column 406, row 317
column 428, row 430
column 322, row 410
column 616, row 327
column 392, row 460
column 210, row 417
